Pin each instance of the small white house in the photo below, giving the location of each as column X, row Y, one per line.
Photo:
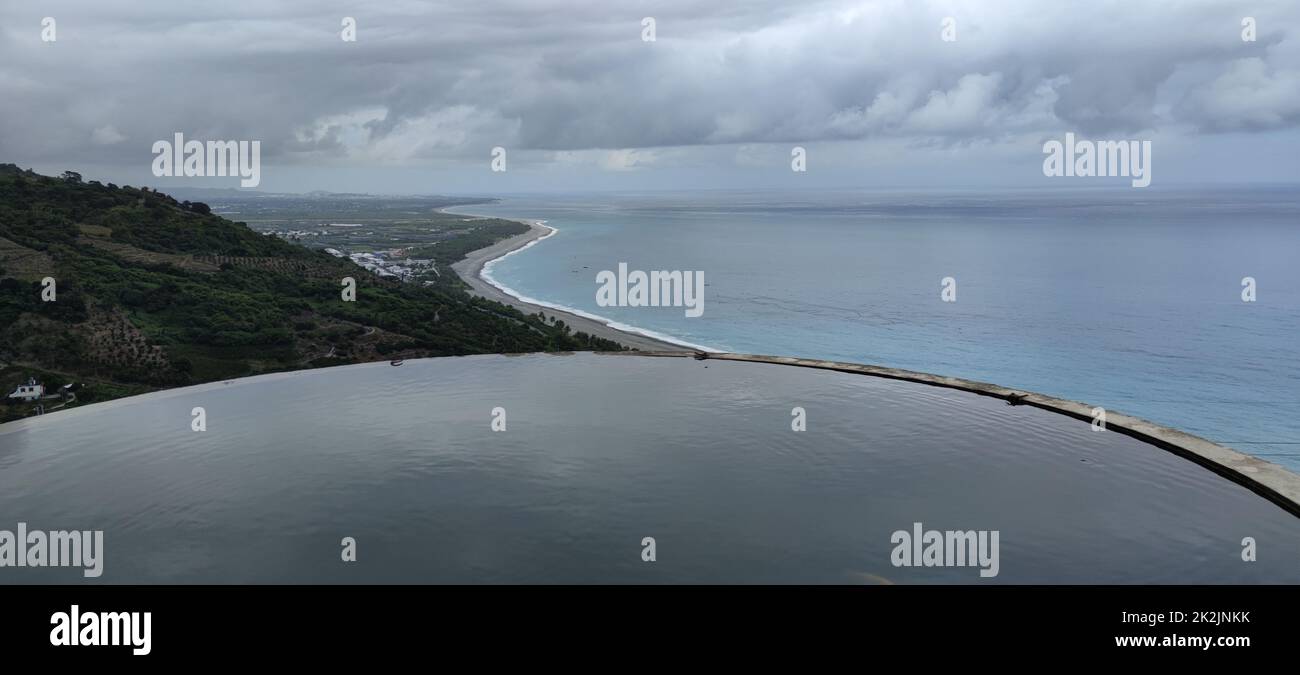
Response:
column 28, row 392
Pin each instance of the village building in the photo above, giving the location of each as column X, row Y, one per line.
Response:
column 32, row 391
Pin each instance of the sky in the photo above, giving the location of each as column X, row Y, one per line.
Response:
column 889, row 93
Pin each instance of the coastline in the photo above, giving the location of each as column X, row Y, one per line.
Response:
column 473, row 267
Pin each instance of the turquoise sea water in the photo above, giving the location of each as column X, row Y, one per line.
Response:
column 1125, row 299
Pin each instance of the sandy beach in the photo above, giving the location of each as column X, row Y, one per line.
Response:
column 471, row 267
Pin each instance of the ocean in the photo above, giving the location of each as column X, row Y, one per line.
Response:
column 1131, row 300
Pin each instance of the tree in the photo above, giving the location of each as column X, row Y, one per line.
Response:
column 71, row 177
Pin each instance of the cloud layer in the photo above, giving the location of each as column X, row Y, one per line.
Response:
column 430, row 85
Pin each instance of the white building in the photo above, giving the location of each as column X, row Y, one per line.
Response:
column 28, row 392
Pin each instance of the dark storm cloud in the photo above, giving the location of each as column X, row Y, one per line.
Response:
column 441, row 82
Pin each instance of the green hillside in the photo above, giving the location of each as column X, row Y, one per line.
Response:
column 153, row 293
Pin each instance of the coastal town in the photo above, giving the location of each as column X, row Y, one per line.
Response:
column 401, row 238
column 396, row 263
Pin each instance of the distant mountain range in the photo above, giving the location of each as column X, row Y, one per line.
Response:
column 201, row 194
column 150, row 292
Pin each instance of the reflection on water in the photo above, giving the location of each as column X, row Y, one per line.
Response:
column 600, row 452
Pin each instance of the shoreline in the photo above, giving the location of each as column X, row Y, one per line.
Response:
column 475, row 270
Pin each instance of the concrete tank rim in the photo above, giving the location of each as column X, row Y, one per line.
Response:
column 1266, row 479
